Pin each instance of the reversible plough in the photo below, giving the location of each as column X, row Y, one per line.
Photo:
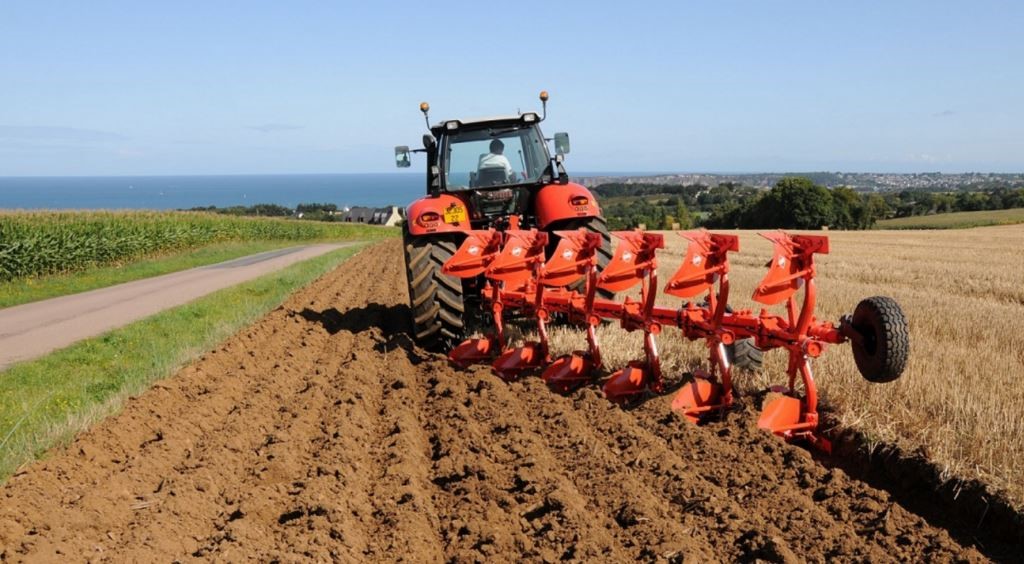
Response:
column 520, row 279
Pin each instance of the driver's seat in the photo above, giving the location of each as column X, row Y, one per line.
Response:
column 491, row 177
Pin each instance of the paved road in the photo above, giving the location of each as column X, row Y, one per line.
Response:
column 32, row 330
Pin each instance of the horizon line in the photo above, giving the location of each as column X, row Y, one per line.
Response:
column 584, row 174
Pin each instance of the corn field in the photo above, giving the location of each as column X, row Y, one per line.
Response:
column 41, row 243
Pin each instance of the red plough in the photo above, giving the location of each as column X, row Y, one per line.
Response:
column 575, row 258
column 520, row 278
column 705, row 268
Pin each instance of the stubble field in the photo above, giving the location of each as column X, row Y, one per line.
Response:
column 961, row 400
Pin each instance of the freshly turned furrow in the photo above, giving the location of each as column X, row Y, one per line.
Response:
column 489, row 459
column 321, row 433
column 404, row 511
column 637, row 512
column 819, row 513
column 174, row 440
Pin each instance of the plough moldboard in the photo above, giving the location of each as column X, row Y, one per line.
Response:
column 520, row 278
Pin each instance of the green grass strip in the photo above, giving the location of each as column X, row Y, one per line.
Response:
column 45, row 402
column 27, row 290
column 955, row 220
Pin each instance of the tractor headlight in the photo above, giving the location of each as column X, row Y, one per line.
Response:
column 428, row 219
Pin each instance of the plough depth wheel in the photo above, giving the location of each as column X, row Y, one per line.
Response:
column 883, row 345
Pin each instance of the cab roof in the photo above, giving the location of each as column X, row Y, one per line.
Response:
column 440, row 127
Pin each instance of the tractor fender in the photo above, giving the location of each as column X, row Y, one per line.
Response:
column 441, row 214
column 555, row 202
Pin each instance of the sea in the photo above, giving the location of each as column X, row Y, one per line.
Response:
column 184, row 192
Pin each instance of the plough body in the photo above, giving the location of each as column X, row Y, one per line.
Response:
column 519, row 278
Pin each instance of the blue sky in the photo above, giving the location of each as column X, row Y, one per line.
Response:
column 113, row 88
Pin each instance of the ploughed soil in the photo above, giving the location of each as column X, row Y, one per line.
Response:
column 321, row 432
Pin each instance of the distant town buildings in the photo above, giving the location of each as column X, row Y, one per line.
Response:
column 390, row 215
column 860, row 181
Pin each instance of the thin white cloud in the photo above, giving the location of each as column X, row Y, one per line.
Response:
column 929, row 158
column 275, row 127
column 56, row 133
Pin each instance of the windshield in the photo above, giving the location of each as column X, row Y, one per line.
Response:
column 496, row 156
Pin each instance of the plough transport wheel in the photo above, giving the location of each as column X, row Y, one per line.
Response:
column 881, row 352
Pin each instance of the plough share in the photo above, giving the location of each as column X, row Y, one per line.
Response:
column 519, row 278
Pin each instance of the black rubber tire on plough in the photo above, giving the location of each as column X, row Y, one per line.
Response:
column 745, row 354
column 435, row 299
column 881, row 354
column 604, row 254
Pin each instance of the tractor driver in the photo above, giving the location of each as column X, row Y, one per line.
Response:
column 496, row 159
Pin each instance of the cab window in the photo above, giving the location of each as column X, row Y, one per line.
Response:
column 493, row 157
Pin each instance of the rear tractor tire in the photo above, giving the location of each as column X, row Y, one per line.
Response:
column 884, row 345
column 435, row 299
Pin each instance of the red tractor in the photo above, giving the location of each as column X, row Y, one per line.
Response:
column 496, row 173
column 493, row 172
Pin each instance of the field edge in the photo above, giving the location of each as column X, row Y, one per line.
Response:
column 22, row 291
column 971, row 510
column 954, row 220
column 169, row 340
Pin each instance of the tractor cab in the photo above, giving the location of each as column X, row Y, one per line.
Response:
column 494, row 165
column 491, row 173
column 491, row 152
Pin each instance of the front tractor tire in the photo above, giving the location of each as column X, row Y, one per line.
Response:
column 435, row 298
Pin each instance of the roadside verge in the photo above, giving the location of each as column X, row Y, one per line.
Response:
column 46, row 401
column 33, row 289
column 32, row 330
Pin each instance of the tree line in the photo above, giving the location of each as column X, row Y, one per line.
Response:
column 314, row 211
column 916, row 202
column 793, row 203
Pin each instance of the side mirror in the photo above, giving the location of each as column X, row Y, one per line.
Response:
column 562, row 143
column 402, row 157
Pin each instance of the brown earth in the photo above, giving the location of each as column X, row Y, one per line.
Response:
column 321, row 433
